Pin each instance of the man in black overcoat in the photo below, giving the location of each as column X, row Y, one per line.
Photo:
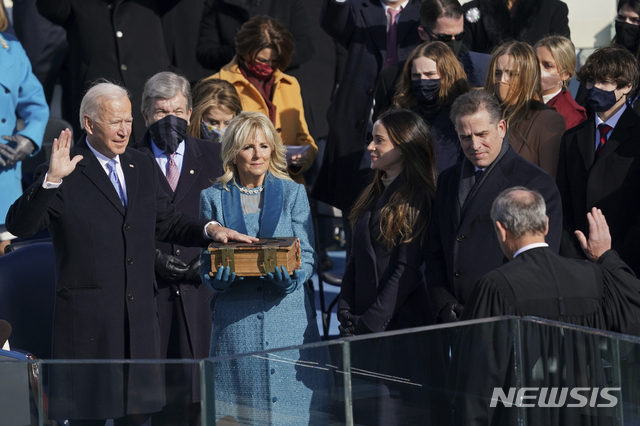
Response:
column 462, row 243
column 183, row 308
column 105, row 210
column 604, row 175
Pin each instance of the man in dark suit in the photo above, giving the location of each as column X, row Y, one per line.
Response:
column 462, row 243
column 602, row 294
column 364, row 28
column 183, row 309
column 105, row 209
column 599, row 161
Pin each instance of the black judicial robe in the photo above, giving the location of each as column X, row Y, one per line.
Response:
column 541, row 283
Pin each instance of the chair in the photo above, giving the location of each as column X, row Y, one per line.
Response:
column 321, row 210
column 27, row 296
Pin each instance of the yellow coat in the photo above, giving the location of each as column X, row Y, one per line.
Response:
column 289, row 110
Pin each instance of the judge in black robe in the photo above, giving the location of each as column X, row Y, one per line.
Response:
column 602, row 294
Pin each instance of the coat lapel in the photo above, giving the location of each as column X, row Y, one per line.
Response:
column 272, row 207
column 191, row 169
column 232, row 209
column 407, row 21
column 495, row 182
column 619, row 136
column 586, row 144
column 376, row 20
column 130, row 171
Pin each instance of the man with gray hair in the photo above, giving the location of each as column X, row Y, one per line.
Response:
column 105, row 210
column 186, row 166
column 603, row 293
column 462, row 244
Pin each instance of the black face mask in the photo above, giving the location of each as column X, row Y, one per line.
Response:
column 168, row 132
column 454, row 45
column 627, row 35
column 426, row 91
column 600, row 100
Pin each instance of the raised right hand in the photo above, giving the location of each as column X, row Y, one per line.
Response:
column 60, row 165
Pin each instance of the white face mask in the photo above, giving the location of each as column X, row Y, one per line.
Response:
column 550, row 81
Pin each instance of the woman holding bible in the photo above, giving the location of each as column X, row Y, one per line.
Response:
column 256, row 197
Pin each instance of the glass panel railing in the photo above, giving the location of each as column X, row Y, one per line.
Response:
column 508, row 371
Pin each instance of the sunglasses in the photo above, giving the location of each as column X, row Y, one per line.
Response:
column 444, row 37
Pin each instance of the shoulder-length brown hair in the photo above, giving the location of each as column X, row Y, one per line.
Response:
column 453, row 80
column 4, row 20
column 525, row 90
column 406, row 216
column 212, row 93
column 261, row 32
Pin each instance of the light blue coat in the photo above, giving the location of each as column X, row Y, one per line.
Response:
column 253, row 315
column 21, row 95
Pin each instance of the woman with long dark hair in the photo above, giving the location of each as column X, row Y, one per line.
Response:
column 534, row 130
column 431, row 80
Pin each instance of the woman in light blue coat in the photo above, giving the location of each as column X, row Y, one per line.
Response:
column 21, row 96
column 257, row 198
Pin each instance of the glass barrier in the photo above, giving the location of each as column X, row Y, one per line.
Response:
column 502, row 371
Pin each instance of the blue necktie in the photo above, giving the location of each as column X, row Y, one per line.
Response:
column 113, row 175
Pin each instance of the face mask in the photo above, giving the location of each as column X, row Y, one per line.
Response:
column 260, row 70
column 210, row 132
column 426, row 91
column 549, row 81
column 454, row 45
column 600, row 100
column 168, row 132
column 502, row 90
column 627, row 35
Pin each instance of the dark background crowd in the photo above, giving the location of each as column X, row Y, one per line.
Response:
column 414, row 118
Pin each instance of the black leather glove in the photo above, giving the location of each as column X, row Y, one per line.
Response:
column 169, row 267
column 451, row 312
column 346, row 318
column 193, row 273
column 10, row 155
column 351, row 325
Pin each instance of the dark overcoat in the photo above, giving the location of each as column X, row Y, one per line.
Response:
column 361, row 27
column 120, row 40
column 610, row 183
column 184, row 305
column 106, row 288
column 463, row 246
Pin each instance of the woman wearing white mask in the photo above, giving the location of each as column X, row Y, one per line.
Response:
column 534, row 130
column 557, row 57
column 215, row 103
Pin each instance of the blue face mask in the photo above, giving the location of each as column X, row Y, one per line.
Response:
column 426, row 91
column 210, row 132
column 600, row 100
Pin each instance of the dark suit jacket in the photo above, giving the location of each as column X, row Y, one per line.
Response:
column 202, row 165
column 106, row 287
column 612, row 183
column 385, row 285
column 464, row 248
column 120, row 40
column 361, row 27
column 531, row 21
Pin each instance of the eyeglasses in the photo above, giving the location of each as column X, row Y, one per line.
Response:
column 443, row 37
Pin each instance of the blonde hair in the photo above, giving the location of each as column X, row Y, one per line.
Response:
column 563, row 52
column 241, row 130
column 524, row 87
column 210, row 93
column 453, row 80
column 4, row 21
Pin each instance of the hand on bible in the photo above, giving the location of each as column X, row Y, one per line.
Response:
column 220, row 234
column 599, row 237
column 61, row 165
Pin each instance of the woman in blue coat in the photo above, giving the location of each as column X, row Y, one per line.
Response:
column 21, row 96
column 256, row 197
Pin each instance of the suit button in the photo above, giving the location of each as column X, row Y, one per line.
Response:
column 266, row 343
column 6, row 90
column 127, row 226
column 119, row 34
column 457, row 274
column 130, row 296
column 129, row 261
column 274, row 399
column 123, row 67
column 4, row 120
column 260, row 316
column 273, row 371
column 177, row 252
column 177, row 292
column 369, row 90
column 460, row 238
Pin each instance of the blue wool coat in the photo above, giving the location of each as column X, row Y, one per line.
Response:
column 21, row 95
column 253, row 315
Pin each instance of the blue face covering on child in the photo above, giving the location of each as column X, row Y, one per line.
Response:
column 600, row 100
